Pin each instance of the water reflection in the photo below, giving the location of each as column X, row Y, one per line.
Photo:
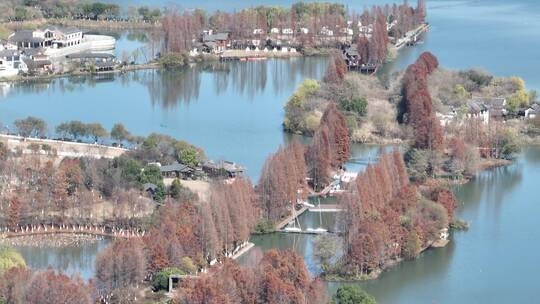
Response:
column 170, row 88
column 70, row 259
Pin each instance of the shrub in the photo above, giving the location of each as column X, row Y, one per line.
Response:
column 264, row 226
column 350, row 294
column 173, row 60
column 9, row 258
column 161, row 279
column 46, row 147
column 356, row 105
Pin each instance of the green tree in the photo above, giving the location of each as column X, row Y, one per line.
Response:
column 21, row 13
column 161, row 279
column 74, row 128
column 412, row 245
column 150, row 174
column 356, row 105
column 325, row 248
column 10, row 258
column 176, row 188
column 517, row 100
column 460, row 91
column 97, row 131
column 189, row 156
column 31, row 126
column 417, row 164
column 350, row 294
column 119, row 132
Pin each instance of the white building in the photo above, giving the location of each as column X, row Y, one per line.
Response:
column 274, row 30
column 257, row 32
column 326, row 32
column 11, row 63
column 287, row 31
column 445, row 119
column 304, row 30
column 53, row 37
column 347, row 31
column 366, row 29
column 59, row 41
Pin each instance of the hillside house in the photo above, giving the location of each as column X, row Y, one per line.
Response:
column 177, row 170
column 532, row 111
column 487, row 108
column 223, row 169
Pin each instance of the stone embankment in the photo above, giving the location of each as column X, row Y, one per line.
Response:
column 59, row 148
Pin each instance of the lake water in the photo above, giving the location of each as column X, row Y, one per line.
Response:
column 495, row 261
column 235, row 112
column 73, row 260
column 497, row 35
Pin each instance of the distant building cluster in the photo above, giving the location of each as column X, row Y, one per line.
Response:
column 486, row 109
column 274, row 39
column 44, row 50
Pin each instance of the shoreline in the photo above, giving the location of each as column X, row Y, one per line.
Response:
column 435, row 244
column 83, row 23
column 125, row 69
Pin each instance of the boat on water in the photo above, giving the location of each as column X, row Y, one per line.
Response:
column 292, row 229
column 316, row 230
column 256, row 58
column 305, row 203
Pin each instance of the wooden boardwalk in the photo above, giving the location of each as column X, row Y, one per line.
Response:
column 291, row 217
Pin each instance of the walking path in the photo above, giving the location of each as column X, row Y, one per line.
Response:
column 61, row 148
column 290, row 218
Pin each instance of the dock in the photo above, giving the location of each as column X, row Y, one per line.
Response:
column 413, row 38
column 326, row 189
column 287, row 220
column 327, row 208
column 256, row 55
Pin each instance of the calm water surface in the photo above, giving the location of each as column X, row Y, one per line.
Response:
column 233, row 111
column 73, row 260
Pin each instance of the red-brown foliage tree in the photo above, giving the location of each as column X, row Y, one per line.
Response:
column 382, row 209
column 49, row 287
column 280, row 277
column 446, row 198
column 336, row 70
column 204, row 230
column 121, row 265
column 330, row 147
column 15, row 206
column 282, row 181
column 13, row 284
column 418, row 106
